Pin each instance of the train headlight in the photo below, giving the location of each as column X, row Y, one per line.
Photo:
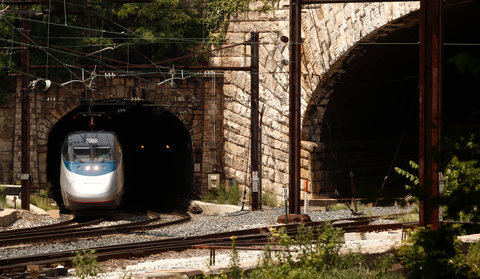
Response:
column 87, row 168
column 96, row 167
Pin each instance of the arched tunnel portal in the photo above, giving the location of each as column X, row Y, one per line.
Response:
column 369, row 116
column 364, row 116
column 158, row 160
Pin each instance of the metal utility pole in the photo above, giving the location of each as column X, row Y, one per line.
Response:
column 254, row 127
column 25, row 120
column 294, row 106
column 430, row 81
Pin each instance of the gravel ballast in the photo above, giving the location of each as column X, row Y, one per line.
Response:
column 199, row 225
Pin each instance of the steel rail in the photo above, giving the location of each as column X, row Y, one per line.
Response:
column 68, row 233
column 37, row 228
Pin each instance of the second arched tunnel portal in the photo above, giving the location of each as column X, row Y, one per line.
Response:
column 368, row 115
column 364, row 115
column 157, row 151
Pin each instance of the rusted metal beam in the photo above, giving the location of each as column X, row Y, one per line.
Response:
column 294, row 105
column 306, row 2
column 114, row 68
column 23, row 2
column 254, row 120
column 25, row 117
column 430, row 81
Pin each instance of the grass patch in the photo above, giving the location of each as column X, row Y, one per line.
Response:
column 268, row 199
column 85, row 264
column 41, row 200
column 224, row 195
column 410, row 217
column 3, row 199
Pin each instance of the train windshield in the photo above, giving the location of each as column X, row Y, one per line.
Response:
column 102, row 153
column 81, row 153
column 91, row 146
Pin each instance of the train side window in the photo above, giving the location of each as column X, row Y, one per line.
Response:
column 81, row 153
column 102, row 153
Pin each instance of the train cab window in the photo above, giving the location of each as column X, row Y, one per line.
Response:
column 81, row 153
column 102, row 153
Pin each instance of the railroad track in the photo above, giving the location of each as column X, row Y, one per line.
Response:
column 245, row 239
column 69, row 230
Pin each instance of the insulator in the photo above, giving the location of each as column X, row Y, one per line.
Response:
column 109, row 75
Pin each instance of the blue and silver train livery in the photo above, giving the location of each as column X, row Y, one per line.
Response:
column 91, row 172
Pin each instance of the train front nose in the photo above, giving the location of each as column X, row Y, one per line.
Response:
column 93, row 189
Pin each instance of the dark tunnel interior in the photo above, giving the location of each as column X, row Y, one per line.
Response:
column 371, row 120
column 158, row 160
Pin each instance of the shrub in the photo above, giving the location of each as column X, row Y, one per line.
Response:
column 3, row 201
column 268, row 199
column 222, row 194
column 315, row 253
column 433, row 254
column 85, row 264
column 473, row 259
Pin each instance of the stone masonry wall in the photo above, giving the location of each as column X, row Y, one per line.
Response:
column 328, row 30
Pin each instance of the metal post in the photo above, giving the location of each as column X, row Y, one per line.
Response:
column 430, row 76
column 294, row 106
column 260, row 186
column 25, row 120
column 254, row 139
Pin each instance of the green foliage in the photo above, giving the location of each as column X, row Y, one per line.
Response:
column 383, row 265
column 268, row 199
column 85, row 264
column 466, row 63
column 164, row 23
column 224, row 195
column 134, row 33
column 473, row 259
column 433, row 254
column 413, row 178
column 462, row 181
column 235, row 271
column 3, row 201
column 217, row 17
column 461, row 191
column 218, row 13
column 312, row 253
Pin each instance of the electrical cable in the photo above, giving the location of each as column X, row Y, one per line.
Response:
column 11, row 47
column 69, row 26
column 402, row 137
column 29, row 39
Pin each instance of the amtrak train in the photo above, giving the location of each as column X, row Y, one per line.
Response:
column 91, row 172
